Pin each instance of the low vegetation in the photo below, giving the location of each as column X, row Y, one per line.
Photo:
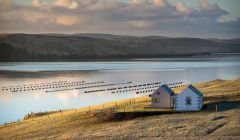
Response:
column 134, row 118
column 30, row 47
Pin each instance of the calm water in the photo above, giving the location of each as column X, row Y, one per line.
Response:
column 14, row 105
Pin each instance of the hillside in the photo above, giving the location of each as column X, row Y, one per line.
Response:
column 56, row 47
column 82, row 124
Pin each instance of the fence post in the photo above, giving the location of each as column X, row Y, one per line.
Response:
column 89, row 109
column 116, row 106
column 216, row 108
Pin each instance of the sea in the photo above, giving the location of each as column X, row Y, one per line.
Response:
column 47, row 86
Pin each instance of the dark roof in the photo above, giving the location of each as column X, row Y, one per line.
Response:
column 169, row 90
column 175, row 94
column 195, row 90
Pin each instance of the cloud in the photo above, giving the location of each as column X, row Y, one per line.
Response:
column 183, row 8
column 71, row 4
column 138, row 2
column 141, row 24
column 87, row 2
column 211, row 9
column 161, row 3
column 69, row 20
column 141, row 17
column 103, row 5
column 224, row 18
column 37, row 3
column 5, row 4
column 205, row 5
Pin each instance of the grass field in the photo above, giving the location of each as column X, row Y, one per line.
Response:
column 132, row 118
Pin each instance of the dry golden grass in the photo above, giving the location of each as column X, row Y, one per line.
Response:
column 79, row 124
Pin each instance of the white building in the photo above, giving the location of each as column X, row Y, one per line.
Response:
column 189, row 99
column 163, row 97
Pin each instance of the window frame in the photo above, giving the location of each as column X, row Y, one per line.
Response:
column 156, row 100
column 188, row 100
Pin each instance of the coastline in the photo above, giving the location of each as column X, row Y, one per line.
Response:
column 82, row 123
column 122, row 58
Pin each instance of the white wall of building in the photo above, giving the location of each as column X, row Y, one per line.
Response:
column 164, row 98
column 196, row 100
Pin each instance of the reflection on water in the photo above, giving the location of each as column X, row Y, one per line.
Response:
column 14, row 105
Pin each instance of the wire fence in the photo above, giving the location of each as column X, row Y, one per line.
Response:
column 135, row 105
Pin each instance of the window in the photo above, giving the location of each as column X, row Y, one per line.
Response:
column 188, row 100
column 155, row 99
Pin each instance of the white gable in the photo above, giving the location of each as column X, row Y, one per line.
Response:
column 189, row 100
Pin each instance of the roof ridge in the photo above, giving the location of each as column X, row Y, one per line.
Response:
column 195, row 90
column 168, row 89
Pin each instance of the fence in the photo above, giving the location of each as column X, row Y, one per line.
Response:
column 132, row 105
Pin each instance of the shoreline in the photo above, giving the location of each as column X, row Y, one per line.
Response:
column 124, row 58
column 201, row 86
column 100, row 121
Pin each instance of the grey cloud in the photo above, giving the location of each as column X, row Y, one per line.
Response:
column 158, row 17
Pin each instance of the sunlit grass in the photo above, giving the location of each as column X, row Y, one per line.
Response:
column 55, row 124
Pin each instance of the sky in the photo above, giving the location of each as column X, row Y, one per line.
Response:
column 174, row 18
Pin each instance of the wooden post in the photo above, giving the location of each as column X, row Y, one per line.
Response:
column 103, row 106
column 89, row 109
column 75, row 111
column 216, row 108
column 124, row 109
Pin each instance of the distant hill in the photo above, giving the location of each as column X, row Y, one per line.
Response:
column 56, row 47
